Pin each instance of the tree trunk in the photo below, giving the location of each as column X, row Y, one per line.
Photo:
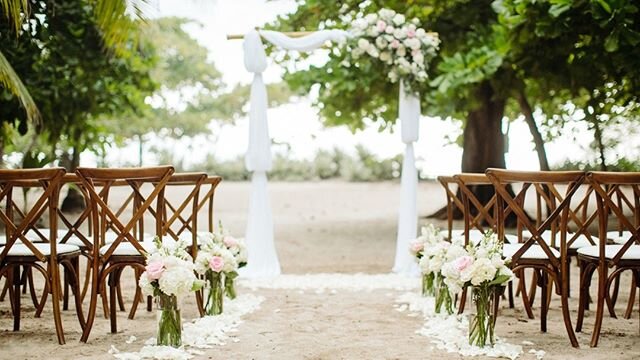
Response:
column 525, row 107
column 483, row 142
column 74, row 201
column 599, row 142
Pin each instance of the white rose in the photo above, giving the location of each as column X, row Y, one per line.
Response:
column 424, row 262
column 373, row 51
column 412, row 43
column 371, row 18
column 389, row 29
column 483, row 270
column 363, row 44
column 373, row 31
column 400, row 33
column 401, row 51
column 399, row 19
column 387, row 14
column 418, row 57
column 360, row 24
column 420, row 33
column 393, row 77
column 385, row 56
column 381, row 43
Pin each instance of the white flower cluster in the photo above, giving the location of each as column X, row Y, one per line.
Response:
column 429, row 235
column 479, row 265
column 396, row 42
column 235, row 247
column 169, row 270
column 214, row 256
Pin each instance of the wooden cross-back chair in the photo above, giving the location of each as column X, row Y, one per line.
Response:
column 207, row 199
column 109, row 259
column 44, row 256
column 535, row 253
column 622, row 256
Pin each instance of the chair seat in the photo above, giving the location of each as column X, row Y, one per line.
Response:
column 618, row 238
column 127, row 249
column 610, row 251
column 580, row 242
column 533, row 252
column 44, row 248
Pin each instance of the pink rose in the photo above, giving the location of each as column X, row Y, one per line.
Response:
column 417, row 246
column 229, row 241
column 411, row 33
column 462, row 263
column 216, row 263
column 154, row 270
column 381, row 25
column 395, row 43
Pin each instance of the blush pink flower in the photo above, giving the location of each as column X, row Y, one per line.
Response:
column 417, row 246
column 395, row 44
column 229, row 241
column 462, row 263
column 411, row 33
column 154, row 270
column 216, row 263
column 381, row 25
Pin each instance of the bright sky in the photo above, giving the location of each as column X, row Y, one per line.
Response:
column 297, row 123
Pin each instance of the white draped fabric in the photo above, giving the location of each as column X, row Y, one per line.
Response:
column 263, row 259
column 409, row 115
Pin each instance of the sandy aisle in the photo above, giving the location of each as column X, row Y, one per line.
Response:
column 320, row 227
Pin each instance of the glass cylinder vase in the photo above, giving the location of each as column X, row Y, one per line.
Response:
column 230, row 285
column 169, row 322
column 215, row 294
column 427, row 284
column 442, row 297
column 482, row 323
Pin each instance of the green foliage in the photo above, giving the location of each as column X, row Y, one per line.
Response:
column 60, row 58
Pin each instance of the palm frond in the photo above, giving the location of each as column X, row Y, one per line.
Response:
column 11, row 81
column 13, row 10
column 115, row 20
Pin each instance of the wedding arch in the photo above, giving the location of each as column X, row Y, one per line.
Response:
column 382, row 35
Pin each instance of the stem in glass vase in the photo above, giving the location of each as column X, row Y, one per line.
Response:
column 215, row 296
column 443, row 298
column 169, row 321
column 229, row 285
column 427, row 284
column 482, row 324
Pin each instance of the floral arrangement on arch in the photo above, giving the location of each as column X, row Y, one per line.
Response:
column 400, row 45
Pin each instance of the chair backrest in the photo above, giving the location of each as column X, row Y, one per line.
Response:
column 49, row 181
column 478, row 214
column 182, row 215
column 611, row 197
column 213, row 182
column 449, row 184
column 103, row 216
column 545, row 183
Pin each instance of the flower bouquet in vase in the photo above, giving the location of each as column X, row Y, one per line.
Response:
column 168, row 276
column 215, row 262
column 485, row 270
column 429, row 235
column 436, row 254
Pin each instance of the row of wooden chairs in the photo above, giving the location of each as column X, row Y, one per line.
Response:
column 567, row 205
column 109, row 233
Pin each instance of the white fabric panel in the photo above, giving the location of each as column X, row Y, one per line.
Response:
column 409, row 114
column 263, row 259
column 305, row 43
column 407, row 215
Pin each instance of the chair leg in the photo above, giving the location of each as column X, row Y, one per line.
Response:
column 614, row 293
column 56, row 293
column 32, row 291
column 5, row 288
column 632, row 296
column 586, row 274
column 93, row 305
column 532, row 288
column 137, row 297
column 544, row 289
column 65, row 294
column 564, row 299
column 16, row 298
column 87, row 279
column 524, row 295
column 119, row 293
column 510, row 294
column 43, row 299
column 112, row 301
column 602, row 291
column 463, row 300
column 72, row 267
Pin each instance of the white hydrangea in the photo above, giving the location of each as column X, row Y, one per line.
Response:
column 398, row 19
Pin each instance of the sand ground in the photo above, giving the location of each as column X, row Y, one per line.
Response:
column 321, row 227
